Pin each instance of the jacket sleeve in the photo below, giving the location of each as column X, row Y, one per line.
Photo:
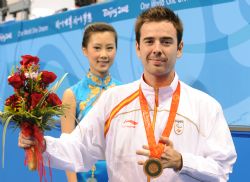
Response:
column 79, row 150
column 216, row 151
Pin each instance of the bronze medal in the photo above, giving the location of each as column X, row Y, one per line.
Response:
column 153, row 167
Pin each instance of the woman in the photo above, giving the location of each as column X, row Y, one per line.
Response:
column 99, row 45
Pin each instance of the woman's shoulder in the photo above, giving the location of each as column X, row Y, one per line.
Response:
column 80, row 85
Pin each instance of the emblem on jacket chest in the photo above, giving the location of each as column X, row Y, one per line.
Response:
column 178, row 127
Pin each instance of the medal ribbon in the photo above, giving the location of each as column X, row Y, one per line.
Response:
column 157, row 149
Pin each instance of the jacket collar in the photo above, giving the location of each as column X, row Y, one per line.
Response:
column 164, row 92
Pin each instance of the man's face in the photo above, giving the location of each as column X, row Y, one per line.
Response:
column 158, row 48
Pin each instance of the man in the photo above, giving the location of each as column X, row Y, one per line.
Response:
column 157, row 127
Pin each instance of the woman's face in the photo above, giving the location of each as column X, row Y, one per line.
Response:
column 100, row 51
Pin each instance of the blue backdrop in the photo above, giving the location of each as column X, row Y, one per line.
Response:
column 215, row 60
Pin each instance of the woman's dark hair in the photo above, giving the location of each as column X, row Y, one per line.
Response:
column 97, row 28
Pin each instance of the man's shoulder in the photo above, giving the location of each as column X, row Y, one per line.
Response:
column 124, row 88
column 115, row 95
column 120, row 92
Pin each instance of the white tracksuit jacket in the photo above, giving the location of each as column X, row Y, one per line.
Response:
column 114, row 131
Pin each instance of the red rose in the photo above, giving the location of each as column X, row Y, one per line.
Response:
column 16, row 81
column 13, row 101
column 54, row 100
column 48, row 77
column 35, row 98
column 22, row 75
column 28, row 60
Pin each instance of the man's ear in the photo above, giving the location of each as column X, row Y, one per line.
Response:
column 84, row 51
column 137, row 48
column 180, row 49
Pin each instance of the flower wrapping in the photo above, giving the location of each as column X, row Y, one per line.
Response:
column 33, row 107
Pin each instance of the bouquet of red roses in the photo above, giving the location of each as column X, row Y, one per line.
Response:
column 32, row 107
